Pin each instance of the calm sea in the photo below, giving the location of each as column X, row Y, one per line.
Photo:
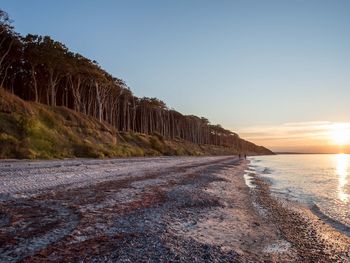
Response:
column 320, row 181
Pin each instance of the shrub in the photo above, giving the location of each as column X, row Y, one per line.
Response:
column 156, row 144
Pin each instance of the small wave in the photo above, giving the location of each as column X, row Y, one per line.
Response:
column 267, row 171
column 331, row 221
column 270, row 180
column 249, row 181
column 250, row 169
column 261, row 170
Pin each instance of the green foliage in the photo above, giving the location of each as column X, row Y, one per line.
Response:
column 8, row 146
column 159, row 136
column 156, row 144
column 32, row 130
column 41, row 69
column 24, row 125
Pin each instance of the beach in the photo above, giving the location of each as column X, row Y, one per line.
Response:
column 162, row 209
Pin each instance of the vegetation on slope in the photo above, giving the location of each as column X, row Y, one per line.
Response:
column 33, row 130
column 86, row 108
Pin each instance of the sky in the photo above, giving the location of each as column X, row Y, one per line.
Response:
column 270, row 70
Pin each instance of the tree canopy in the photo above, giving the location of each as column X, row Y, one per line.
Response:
column 43, row 70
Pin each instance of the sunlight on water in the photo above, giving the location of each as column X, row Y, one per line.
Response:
column 342, row 161
column 321, row 180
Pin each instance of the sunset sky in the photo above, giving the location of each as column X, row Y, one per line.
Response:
column 276, row 72
column 305, row 137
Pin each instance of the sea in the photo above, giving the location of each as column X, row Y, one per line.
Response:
column 319, row 181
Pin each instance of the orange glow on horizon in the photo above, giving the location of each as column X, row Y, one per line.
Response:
column 303, row 137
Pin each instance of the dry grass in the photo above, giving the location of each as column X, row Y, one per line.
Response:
column 36, row 131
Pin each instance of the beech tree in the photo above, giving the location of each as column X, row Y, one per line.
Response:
column 41, row 69
column 31, row 55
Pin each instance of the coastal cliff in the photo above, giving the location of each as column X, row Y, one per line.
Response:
column 34, row 130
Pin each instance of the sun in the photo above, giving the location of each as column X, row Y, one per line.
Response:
column 340, row 136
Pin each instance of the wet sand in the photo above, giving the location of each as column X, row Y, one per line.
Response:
column 175, row 209
column 312, row 238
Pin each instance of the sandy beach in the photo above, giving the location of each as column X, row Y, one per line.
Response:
column 165, row 209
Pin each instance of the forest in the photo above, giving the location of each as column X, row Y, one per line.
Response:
column 40, row 69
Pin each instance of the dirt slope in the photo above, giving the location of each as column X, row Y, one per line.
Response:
column 32, row 130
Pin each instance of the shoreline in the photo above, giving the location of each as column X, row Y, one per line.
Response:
column 313, row 239
column 173, row 209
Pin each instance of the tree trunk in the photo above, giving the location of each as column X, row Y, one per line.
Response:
column 35, row 84
column 99, row 103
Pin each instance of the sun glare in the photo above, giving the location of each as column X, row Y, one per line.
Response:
column 342, row 161
column 340, row 136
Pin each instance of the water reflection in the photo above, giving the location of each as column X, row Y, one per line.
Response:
column 342, row 172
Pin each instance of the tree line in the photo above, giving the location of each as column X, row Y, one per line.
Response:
column 40, row 69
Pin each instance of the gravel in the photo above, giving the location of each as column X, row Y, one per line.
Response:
column 163, row 209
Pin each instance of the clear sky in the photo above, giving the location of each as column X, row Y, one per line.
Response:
column 253, row 66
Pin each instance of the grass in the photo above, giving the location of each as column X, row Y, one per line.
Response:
column 36, row 131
